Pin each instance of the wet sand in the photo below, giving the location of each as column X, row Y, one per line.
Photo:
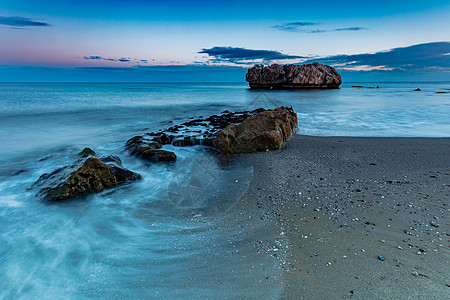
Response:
column 361, row 218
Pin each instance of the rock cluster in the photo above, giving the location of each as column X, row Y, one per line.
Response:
column 86, row 176
column 201, row 131
column 238, row 132
column 308, row 76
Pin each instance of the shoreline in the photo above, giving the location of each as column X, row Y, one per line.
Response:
column 357, row 217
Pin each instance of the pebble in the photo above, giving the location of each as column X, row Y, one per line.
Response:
column 399, row 247
column 382, row 241
column 380, row 257
column 415, row 273
column 434, row 224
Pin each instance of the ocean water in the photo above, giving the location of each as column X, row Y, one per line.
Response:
column 174, row 234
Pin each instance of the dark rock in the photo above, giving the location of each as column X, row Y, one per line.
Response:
column 186, row 141
column 381, row 257
column 84, row 177
column 162, row 138
column 163, row 156
column 267, row 130
column 417, row 90
column 117, row 169
column 308, row 76
column 148, row 148
column 86, row 152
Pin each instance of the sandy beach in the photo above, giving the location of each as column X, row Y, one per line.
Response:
column 361, row 218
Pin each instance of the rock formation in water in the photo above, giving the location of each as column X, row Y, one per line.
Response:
column 84, row 177
column 309, row 76
column 238, row 132
column 264, row 131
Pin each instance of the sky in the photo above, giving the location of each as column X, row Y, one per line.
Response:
column 197, row 40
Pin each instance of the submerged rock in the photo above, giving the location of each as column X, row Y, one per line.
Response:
column 86, row 152
column 264, row 131
column 308, row 76
column 84, row 177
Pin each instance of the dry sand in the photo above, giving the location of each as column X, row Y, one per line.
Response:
column 361, row 218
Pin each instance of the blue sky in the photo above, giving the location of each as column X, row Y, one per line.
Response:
column 190, row 40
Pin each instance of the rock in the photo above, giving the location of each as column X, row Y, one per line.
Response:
column 434, row 224
column 186, row 141
column 417, row 90
column 381, row 257
column 162, row 138
column 163, row 156
column 84, row 177
column 115, row 166
column 148, row 149
column 267, row 130
column 86, row 152
column 308, row 76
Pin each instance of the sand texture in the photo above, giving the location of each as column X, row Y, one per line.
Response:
column 360, row 218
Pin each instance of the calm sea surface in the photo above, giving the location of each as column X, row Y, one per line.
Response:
column 169, row 235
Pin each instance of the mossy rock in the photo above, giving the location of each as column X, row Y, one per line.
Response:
column 86, row 152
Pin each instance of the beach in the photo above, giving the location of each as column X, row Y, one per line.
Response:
column 362, row 218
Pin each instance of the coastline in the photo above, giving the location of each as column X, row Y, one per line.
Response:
column 356, row 217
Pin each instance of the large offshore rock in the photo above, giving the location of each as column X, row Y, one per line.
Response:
column 309, row 76
column 267, row 130
column 84, row 177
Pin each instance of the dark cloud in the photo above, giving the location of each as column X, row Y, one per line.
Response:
column 19, row 22
column 123, row 59
column 93, row 57
column 293, row 26
column 239, row 55
column 299, row 27
column 350, row 29
column 428, row 56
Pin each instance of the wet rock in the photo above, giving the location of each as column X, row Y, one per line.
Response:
column 186, row 141
column 84, row 177
column 267, row 130
column 293, row 76
column 417, row 90
column 86, row 152
column 381, row 257
column 163, row 156
column 116, row 168
column 148, row 149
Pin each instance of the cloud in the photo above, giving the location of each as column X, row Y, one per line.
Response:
column 420, row 57
column 93, row 57
column 350, row 29
column 299, row 27
column 243, row 55
column 293, row 26
column 20, row 22
column 123, row 59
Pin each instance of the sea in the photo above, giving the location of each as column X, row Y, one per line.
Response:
column 174, row 234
